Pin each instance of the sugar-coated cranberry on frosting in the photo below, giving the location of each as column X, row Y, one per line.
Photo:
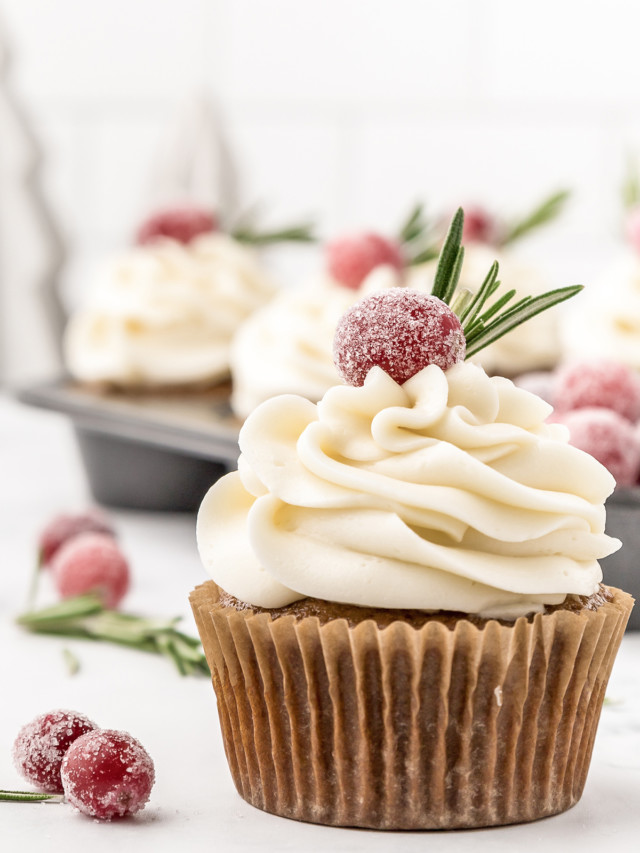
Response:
column 399, row 330
column 182, row 224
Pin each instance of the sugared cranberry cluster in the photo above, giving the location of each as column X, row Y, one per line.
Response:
column 599, row 402
column 81, row 551
column 103, row 773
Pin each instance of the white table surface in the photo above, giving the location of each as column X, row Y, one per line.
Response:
column 194, row 806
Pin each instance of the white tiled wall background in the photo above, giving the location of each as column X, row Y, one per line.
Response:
column 348, row 110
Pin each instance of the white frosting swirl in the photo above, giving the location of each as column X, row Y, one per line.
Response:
column 165, row 313
column 446, row 493
column 604, row 320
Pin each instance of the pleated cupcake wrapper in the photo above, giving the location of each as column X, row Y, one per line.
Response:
column 405, row 728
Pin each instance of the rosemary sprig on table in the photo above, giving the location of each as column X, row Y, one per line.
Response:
column 483, row 324
column 85, row 617
column 29, row 797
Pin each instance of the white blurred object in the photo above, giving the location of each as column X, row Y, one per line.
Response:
column 194, row 164
column 31, row 314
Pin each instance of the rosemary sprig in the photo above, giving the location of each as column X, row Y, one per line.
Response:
column 484, row 323
column 448, row 262
column 71, row 661
column 292, row 234
column 547, row 210
column 85, row 617
column 631, row 185
column 417, row 239
column 414, row 226
column 29, row 797
column 525, row 310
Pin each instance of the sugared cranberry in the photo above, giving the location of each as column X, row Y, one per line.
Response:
column 91, row 562
column 107, row 774
column 479, row 226
column 181, row 223
column 399, row 330
column 632, row 227
column 604, row 384
column 609, row 437
column 351, row 259
column 41, row 745
column 64, row 527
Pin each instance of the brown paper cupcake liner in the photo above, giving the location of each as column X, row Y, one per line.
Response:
column 409, row 728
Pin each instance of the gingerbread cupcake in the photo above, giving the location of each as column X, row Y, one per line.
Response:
column 406, row 624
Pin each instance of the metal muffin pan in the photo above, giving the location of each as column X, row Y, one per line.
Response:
column 151, row 452
column 622, row 569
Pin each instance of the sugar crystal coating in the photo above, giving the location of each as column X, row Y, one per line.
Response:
column 399, row 330
column 65, row 526
column 604, row 384
column 41, row 744
column 351, row 259
column 609, row 437
column 91, row 562
column 107, row 774
column 181, row 223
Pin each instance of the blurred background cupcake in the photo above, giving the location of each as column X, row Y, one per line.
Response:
column 286, row 347
column 605, row 321
column 161, row 314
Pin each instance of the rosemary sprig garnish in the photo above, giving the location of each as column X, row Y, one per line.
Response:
column 484, row 323
column 631, row 185
column 292, row 234
column 414, row 226
column 85, row 617
column 523, row 311
column 417, row 239
column 547, row 210
column 29, row 797
column 448, row 262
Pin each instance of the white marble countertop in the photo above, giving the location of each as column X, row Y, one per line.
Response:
column 193, row 805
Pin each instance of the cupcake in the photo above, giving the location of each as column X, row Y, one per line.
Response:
column 605, row 322
column 285, row 347
column 406, row 625
column 162, row 314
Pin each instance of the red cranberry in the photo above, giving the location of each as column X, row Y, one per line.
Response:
column 91, row 562
column 64, row 527
column 41, row 745
column 603, row 384
column 181, row 223
column 399, row 330
column 107, row 774
column 351, row 259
